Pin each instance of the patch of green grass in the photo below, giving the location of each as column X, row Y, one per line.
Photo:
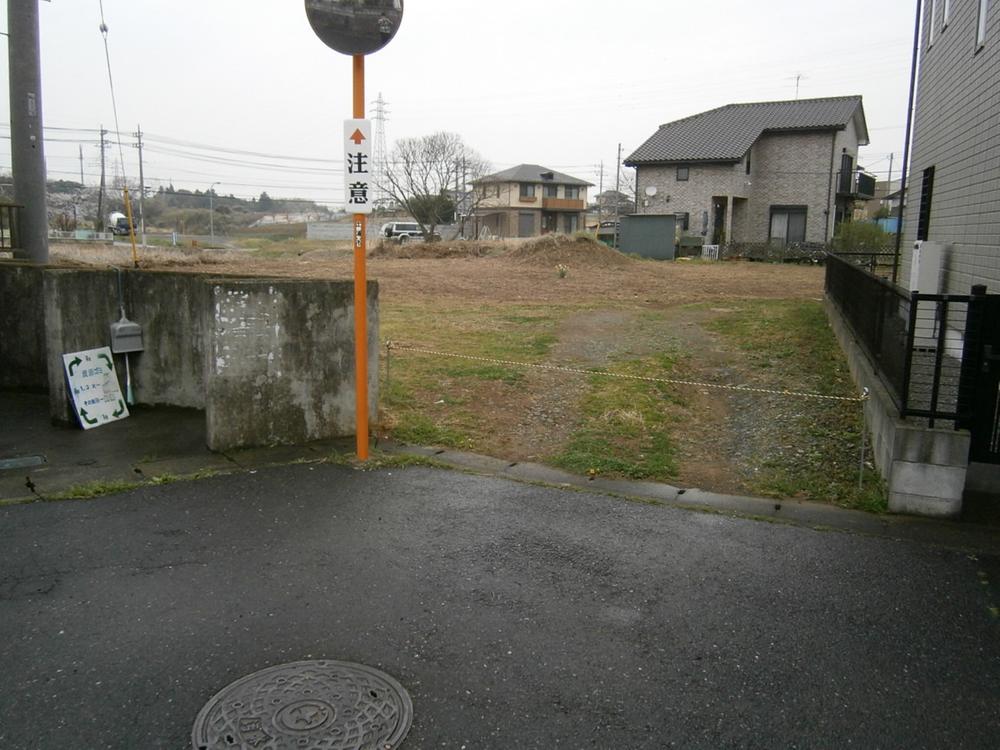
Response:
column 468, row 369
column 381, row 460
column 625, row 425
column 417, row 382
column 419, row 429
column 793, row 340
column 95, row 489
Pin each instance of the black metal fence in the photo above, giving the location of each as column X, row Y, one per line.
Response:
column 878, row 314
column 930, row 350
column 775, row 252
column 936, row 342
column 10, row 235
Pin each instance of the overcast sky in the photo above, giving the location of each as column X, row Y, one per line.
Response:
column 554, row 82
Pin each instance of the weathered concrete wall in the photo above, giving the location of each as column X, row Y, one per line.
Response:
column 925, row 469
column 171, row 308
column 270, row 361
column 81, row 305
column 280, row 361
column 79, row 309
column 22, row 328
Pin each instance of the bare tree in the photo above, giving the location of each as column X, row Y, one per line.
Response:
column 429, row 177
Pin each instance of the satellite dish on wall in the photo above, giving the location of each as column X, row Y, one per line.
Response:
column 651, row 191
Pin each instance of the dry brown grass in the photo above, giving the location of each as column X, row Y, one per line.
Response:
column 511, row 271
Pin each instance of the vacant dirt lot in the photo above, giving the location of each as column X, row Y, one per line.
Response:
column 579, row 304
column 495, row 272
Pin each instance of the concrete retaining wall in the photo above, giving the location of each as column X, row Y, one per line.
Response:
column 271, row 361
column 924, row 468
column 22, row 329
column 280, row 361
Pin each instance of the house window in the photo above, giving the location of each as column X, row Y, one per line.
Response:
column 527, row 190
column 551, row 191
column 572, row 193
column 984, row 9
column 926, row 193
column 788, row 224
column 572, row 223
column 682, row 174
column 748, row 161
column 846, row 183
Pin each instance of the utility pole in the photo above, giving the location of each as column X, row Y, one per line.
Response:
column 100, row 193
column 466, row 199
column 600, row 199
column 142, row 187
column 889, row 186
column 27, row 148
column 618, row 185
column 81, row 165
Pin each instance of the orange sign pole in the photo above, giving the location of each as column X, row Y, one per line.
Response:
column 360, row 288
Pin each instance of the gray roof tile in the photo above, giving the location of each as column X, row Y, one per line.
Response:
column 727, row 133
column 532, row 173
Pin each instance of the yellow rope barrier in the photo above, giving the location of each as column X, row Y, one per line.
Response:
column 391, row 346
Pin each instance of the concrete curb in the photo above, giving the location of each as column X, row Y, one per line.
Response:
column 943, row 533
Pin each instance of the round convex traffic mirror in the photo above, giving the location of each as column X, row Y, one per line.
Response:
column 355, row 27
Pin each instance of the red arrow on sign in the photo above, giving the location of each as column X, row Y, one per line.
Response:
column 357, row 136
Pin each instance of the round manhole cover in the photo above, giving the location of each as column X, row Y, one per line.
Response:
column 327, row 705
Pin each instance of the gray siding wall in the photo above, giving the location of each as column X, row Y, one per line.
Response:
column 957, row 131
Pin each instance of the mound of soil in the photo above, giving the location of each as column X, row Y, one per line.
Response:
column 573, row 252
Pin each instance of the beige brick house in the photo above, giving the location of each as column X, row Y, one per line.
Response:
column 776, row 172
column 529, row 200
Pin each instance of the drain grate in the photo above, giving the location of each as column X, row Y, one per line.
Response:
column 21, row 462
column 326, row 705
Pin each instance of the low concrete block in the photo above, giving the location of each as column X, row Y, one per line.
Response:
column 945, row 482
column 931, row 446
column 280, row 361
column 924, row 505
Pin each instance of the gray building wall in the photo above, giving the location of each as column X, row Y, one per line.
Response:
column 957, row 131
column 785, row 169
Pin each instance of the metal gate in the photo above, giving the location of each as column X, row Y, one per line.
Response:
column 979, row 387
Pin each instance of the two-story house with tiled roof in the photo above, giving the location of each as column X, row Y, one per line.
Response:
column 529, row 200
column 779, row 172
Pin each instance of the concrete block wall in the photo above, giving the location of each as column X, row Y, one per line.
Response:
column 287, row 354
column 22, row 331
column 955, row 131
column 279, row 361
column 79, row 309
column 924, row 469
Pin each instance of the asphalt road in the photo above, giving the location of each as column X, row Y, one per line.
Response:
column 516, row 616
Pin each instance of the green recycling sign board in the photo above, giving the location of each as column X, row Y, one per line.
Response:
column 93, row 384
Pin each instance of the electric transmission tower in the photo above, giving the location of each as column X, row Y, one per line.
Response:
column 380, row 162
